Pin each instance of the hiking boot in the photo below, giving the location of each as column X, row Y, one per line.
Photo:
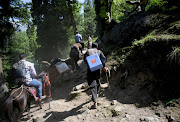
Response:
column 94, row 106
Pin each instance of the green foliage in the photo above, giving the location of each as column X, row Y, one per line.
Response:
column 143, row 41
column 89, row 25
column 155, row 5
column 173, row 8
column 103, row 12
column 118, row 10
column 54, row 29
column 13, row 12
column 20, row 42
column 171, row 102
column 114, row 112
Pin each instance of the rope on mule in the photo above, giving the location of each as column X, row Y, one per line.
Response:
column 19, row 93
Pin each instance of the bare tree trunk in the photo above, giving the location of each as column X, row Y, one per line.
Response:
column 110, row 10
column 3, row 87
column 71, row 16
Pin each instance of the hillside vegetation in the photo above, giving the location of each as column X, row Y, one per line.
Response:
column 144, row 51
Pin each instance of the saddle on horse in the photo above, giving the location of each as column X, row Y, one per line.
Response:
column 44, row 78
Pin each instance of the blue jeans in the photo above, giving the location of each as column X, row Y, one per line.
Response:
column 37, row 84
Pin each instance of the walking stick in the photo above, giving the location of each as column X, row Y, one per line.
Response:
column 108, row 79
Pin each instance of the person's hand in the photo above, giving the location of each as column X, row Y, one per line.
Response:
column 105, row 69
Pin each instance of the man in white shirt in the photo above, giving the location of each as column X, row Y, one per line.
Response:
column 30, row 73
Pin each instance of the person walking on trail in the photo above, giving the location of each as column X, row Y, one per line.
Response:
column 89, row 42
column 78, row 39
column 30, row 72
column 93, row 78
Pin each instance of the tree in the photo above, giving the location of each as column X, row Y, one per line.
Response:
column 9, row 10
column 89, row 24
column 71, row 16
column 3, row 87
column 103, row 10
column 119, row 9
column 53, row 26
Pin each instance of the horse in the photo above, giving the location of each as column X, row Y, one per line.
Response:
column 75, row 55
column 19, row 98
column 17, row 101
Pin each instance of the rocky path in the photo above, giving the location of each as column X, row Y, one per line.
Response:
column 115, row 106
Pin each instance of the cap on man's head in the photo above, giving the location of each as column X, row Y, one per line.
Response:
column 22, row 56
column 94, row 45
column 77, row 32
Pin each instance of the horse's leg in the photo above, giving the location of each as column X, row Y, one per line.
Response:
column 22, row 102
column 9, row 110
column 76, row 62
column 28, row 109
column 9, row 115
column 40, row 105
column 21, row 107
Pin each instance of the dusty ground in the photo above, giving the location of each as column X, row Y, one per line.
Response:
column 78, row 109
column 116, row 105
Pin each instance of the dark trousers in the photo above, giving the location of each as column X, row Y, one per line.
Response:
column 93, row 79
column 95, row 90
column 82, row 43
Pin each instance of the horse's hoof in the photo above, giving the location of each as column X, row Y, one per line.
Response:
column 40, row 106
column 28, row 117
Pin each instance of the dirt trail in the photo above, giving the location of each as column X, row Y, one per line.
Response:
column 115, row 105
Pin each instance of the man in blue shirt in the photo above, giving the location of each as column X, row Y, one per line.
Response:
column 78, row 39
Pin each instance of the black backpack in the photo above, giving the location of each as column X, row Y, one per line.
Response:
column 19, row 70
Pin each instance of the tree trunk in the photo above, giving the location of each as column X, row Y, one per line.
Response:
column 110, row 10
column 71, row 16
column 3, row 87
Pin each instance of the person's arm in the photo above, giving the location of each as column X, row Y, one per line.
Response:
column 103, row 60
column 80, row 36
column 86, row 55
column 33, row 71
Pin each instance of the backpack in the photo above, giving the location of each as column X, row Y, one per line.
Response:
column 94, row 62
column 19, row 70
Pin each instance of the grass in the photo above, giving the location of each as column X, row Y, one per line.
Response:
column 174, row 55
column 143, row 41
column 170, row 102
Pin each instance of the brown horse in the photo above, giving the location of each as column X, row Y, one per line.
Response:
column 15, row 104
column 75, row 54
column 17, row 101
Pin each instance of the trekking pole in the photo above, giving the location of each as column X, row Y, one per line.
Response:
column 108, row 81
